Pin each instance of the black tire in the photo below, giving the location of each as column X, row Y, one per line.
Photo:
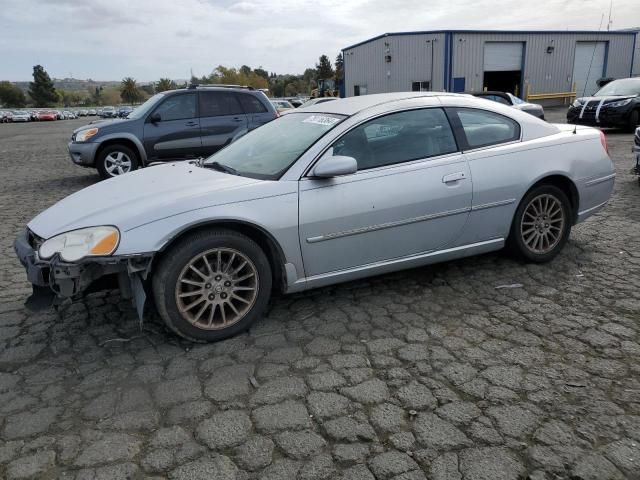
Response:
column 103, row 157
column 173, row 264
column 516, row 243
column 634, row 121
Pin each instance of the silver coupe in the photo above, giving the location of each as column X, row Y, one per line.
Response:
column 326, row 194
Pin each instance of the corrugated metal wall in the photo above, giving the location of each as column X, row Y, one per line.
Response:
column 411, row 59
column 636, row 57
column 365, row 65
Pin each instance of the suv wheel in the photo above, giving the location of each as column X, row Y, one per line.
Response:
column 116, row 160
column 212, row 285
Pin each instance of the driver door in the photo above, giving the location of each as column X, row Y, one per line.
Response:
column 410, row 195
column 177, row 133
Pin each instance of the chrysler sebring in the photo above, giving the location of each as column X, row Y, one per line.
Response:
column 326, row 194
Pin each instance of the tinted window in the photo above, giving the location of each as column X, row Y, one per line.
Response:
column 484, row 128
column 216, row 104
column 251, row 104
column 177, row 107
column 496, row 98
column 399, row 137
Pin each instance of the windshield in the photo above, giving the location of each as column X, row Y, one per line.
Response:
column 143, row 109
column 267, row 152
column 628, row 86
column 516, row 100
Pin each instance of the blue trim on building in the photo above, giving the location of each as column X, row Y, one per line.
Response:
column 633, row 54
column 516, row 32
column 343, row 87
column 522, row 66
column 606, row 60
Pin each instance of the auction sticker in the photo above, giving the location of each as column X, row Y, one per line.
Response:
column 321, row 120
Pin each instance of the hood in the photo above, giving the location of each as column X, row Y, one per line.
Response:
column 148, row 195
column 605, row 98
column 103, row 123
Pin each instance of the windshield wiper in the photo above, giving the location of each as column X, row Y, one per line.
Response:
column 221, row 168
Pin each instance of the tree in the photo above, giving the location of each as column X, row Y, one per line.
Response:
column 339, row 68
column 11, row 96
column 165, row 84
column 129, row 91
column 72, row 98
column 324, row 68
column 261, row 72
column 245, row 70
column 41, row 90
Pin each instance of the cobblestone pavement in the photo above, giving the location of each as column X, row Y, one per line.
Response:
column 430, row 373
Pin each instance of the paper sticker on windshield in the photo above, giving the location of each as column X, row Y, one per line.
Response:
column 321, row 120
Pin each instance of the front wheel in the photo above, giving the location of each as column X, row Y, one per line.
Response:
column 541, row 225
column 116, row 160
column 212, row 285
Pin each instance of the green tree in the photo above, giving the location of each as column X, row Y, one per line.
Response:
column 11, row 96
column 72, row 98
column 165, row 84
column 261, row 72
column 245, row 70
column 41, row 90
column 339, row 68
column 129, row 91
column 324, row 68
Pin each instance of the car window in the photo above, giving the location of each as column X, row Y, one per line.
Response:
column 398, row 137
column 216, row 104
column 483, row 128
column 177, row 107
column 251, row 104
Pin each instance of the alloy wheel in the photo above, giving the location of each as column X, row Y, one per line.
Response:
column 217, row 288
column 543, row 223
column 117, row 163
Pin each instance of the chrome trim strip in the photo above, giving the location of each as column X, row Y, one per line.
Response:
column 600, row 205
column 499, row 203
column 382, row 226
column 599, row 180
column 408, row 258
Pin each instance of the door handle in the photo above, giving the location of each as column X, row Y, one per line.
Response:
column 238, row 119
column 453, row 177
column 191, row 124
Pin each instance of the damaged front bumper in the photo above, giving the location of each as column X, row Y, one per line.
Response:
column 56, row 282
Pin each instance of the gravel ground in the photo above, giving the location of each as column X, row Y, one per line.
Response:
column 429, row 373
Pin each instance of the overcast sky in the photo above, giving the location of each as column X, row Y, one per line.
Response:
column 149, row 39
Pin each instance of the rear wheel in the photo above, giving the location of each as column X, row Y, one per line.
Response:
column 212, row 285
column 116, row 160
column 541, row 225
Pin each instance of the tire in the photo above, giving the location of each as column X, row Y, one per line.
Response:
column 527, row 227
column 108, row 158
column 174, row 283
column 634, row 121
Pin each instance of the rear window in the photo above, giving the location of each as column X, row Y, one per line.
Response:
column 216, row 104
column 482, row 128
column 251, row 104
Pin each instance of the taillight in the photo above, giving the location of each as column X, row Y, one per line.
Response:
column 277, row 113
column 603, row 140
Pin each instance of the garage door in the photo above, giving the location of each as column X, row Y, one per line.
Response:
column 588, row 66
column 503, row 56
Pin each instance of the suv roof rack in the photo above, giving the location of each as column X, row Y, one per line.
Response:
column 193, row 86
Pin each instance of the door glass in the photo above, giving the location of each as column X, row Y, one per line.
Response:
column 178, row 107
column 251, row 104
column 216, row 104
column 484, row 128
column 398, row 137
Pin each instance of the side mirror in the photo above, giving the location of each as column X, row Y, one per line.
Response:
column 155, row 118
column 333, row 166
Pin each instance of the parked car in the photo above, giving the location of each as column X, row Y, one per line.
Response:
column 636, row 151
column 34, row 115
column 59, row 115
column 83, row 113
column 177, row 124
column 328, row 194
column 69, row 115
column 281, row 105
column 92, row 112
column 123, row 112
column 47, row 115
column 6, row 116
column 507, row 98
column 315, row 101
column 21, row 116
column 617, row 104
column 99, row 112
column 109, row 112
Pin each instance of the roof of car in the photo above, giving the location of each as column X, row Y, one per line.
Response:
column 352, row 105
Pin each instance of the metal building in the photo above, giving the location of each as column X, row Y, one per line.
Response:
column 519, row 62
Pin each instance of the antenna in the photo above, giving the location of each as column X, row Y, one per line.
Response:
column 595, row 45
column 610, row 8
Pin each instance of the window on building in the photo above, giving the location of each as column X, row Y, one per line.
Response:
column 483, row 128
column 397, row 138
column 359, row 90
column 420, row 86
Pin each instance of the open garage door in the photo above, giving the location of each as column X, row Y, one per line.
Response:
column 588, row 66
column 503, row 66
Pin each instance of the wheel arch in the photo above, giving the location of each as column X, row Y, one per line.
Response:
column 262, row 237
column 126, row 141
column 564, row 183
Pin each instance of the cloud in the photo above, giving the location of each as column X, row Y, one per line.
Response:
column 149, row 39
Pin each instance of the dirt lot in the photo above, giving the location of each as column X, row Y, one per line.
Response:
column 431, row 373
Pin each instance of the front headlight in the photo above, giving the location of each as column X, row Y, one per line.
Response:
column 86, row 134
column 577, row 103
column 619, row 103
column 77, row 244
